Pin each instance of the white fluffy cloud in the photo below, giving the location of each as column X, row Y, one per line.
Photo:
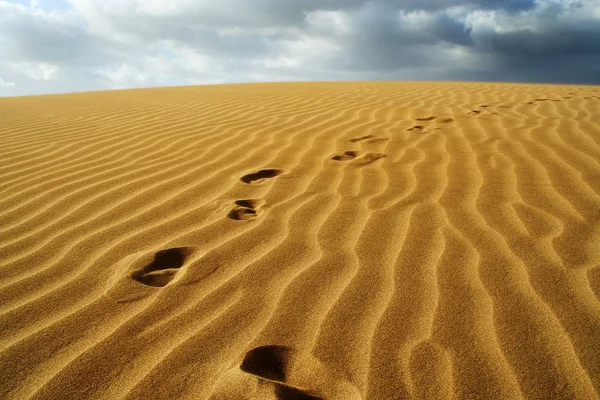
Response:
column 49, row 46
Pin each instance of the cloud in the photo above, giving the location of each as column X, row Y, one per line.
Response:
column 56, row 45
column 3, row 83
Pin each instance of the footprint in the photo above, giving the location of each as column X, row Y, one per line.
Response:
column 245, row 210
column 377, row 140
column 474, row 112
column 260, row 176
column 369, row 139
column 445, row 120
column 368, row 158
column 485, row 106
column 286, row 392
column 250, row 203
column 529, row 102
column 359, row 139
column 416, row 127
column 346, row 156
column 163, row 268
column 242, row 214
column 425, row 119
column 270, row 362
column 275, row 372
column 540, row 99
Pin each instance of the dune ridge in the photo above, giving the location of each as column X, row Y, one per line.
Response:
column 340, row 240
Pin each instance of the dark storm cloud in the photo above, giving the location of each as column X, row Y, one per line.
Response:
column 97, row 44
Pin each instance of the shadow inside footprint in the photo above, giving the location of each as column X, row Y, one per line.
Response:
column 474, row 112
column 163, row 268
column 358, row 139
column 242, row 213
column 245, row 210
column 377, row 140
column 346, row 156
column 285, row 392
column 270, row 362
column 250, row 203
column 368, row 158
column 425, row 119
column 445, row 120
column 260, row 175
column 416, row 127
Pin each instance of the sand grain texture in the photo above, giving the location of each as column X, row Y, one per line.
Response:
column 348, row 241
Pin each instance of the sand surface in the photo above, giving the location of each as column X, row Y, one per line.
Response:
column 302, row 241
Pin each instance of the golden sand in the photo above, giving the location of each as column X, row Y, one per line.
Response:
column 366, row 240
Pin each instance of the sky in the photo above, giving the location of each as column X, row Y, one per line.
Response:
column 58, row 46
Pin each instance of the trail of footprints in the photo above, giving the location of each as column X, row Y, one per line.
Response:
column 485, row 107
column 270, row 364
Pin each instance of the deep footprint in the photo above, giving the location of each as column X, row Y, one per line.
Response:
column 258, row 177
column 346, row 156
column 163, row 268
column 285, row 392
column 445, row 120
column 270, row 362
column 425, row 119
column 416, row 127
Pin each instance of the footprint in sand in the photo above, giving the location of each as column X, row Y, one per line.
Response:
column 474, row 112
column 346, row 156
column 369, row 139
column 540, row 99
column 276, row 372
column 377, row 140
column 439, row 120
column 268, row 362
column 261, row 176
column 163, row 268
column 360, row 139
column 245, row 210
column 368, row 158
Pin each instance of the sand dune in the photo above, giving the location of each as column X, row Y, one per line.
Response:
column 344, row 241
